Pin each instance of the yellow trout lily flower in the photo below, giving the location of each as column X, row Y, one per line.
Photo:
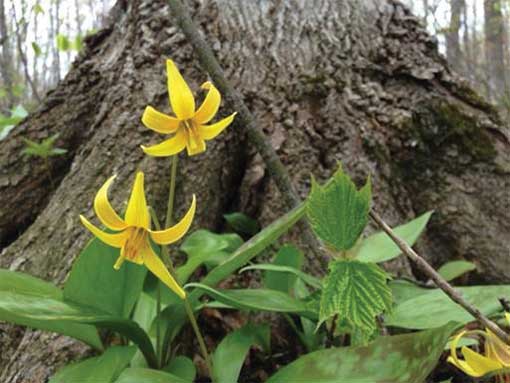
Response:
column 133, row 232
column 189, row 127
column 497, row 355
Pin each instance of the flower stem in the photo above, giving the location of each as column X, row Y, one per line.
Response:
column 171, row 192
column 167, row 260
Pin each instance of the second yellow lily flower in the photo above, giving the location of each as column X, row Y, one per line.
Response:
column 188, row 127
column 133, row 232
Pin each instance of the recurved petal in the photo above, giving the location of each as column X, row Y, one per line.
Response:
column 210, row 106
column 480, row 364
column 137, row 213
column 176, row 232
column 159, row 122
column 105, row 211
column 208, row 132
column 181, row 98
column 496, row 349
column 158, row 268
column 115, row 240
column 168, row 147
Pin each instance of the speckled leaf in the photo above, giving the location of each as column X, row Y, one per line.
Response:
column 390, row 359
column 338, row 212
column 357, row 292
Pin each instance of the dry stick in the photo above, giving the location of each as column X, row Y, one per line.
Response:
column 439, row 280
column 277, row 169
column 245, row 118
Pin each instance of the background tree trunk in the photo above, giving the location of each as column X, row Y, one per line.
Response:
column 354, row 81
column 453, row 51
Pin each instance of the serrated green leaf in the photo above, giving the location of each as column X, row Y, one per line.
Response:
column 338, row 212
column 455, row 269
column 355, row 291
column 379, row 247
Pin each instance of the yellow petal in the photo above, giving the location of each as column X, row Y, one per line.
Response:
column 159, row 122
column 181, row 98
column 496, row 349
column 210, row 106
column 194, row 144
column 462, row 365
column 137, row 213
column 507, row 317
column 115, row 240
column 158, row 268
column 105, row 211
column 208, row 132
column 480, row 364
column 168, row 147
column 176, row 232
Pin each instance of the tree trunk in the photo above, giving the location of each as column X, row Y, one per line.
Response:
column 357, row 82
column 494, row 27
column 453, row 51
column 6, row 67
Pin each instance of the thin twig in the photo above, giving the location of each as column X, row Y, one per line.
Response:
column 439, row 280
column 246, row 121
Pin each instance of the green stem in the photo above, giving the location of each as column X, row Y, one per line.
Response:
column 203, row 347
column 158, row 327
column 171, row 192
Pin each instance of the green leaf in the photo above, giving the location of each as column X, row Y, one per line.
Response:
column 19, row 112
column 242, row 224
column 434, row 308
column 37, row 49
column 94, row 282
column 145, row 375
column 276, row 276
column 104, row 368
column 183, row 367
column 228, row 358
column 337, row 212
column 403, row 290
column 379, row 247
column 63, row 43
column 205, row 247
column 37, row 8
column 14, row 287
column 357, row 292
column 455, row 269
column 77, row 43
column 258, row 299
column 287, row 256
column 396, row 359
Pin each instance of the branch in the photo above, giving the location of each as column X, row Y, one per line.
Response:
column 245, row 118
column 439, row 280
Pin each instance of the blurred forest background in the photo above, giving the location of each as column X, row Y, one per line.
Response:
column 39, row 40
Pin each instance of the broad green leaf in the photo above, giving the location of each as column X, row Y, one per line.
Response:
column 228, row 358
column 242, row 224
column 287, row 256
column 455, row 269
column 145, row 375
column 357, row 292
column 258, row 299
column 94, row 282
column 174, row 316
column 389, row 359
column 281, row 271
column 104, row 368
column 434, row 308
column 379, row 247
column 67, row 318
column 403, row 290
column 205, row 247
column 338, row 212
column 37, row 49
column 15, row 286
column 183, row 367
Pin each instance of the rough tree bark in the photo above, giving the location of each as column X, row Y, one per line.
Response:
column 354, row 81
